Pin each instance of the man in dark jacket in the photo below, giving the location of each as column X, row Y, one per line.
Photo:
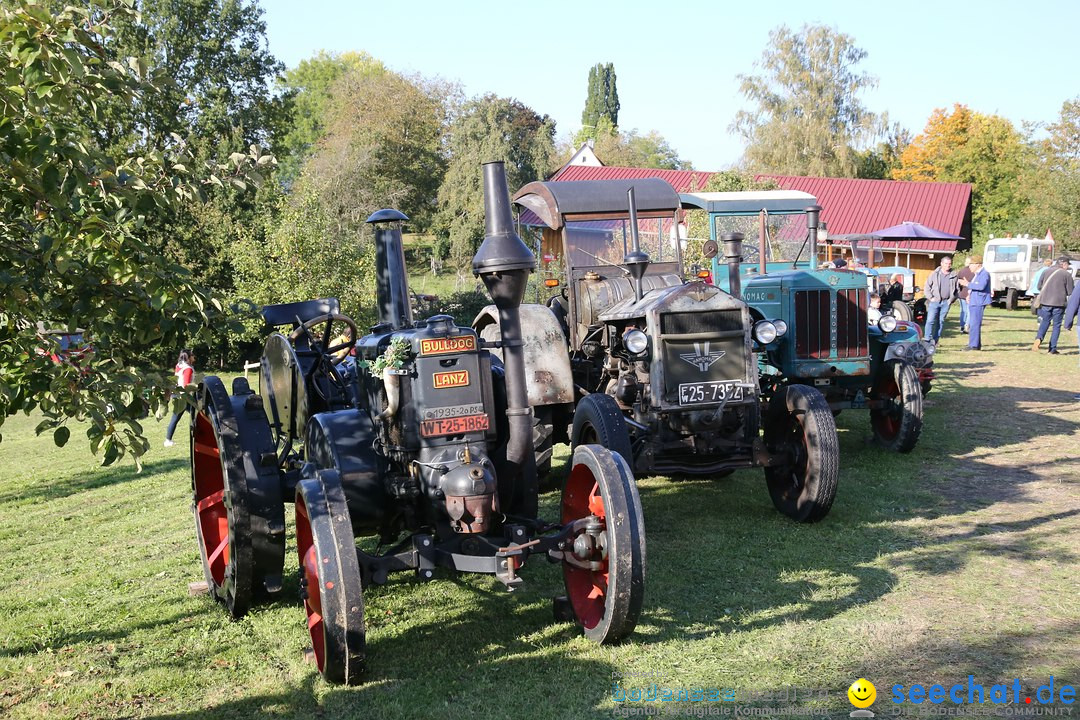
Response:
column 940, row 292
column 1071, row 311
column 1055, row 286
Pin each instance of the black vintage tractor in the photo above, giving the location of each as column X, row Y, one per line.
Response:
column 416, row 434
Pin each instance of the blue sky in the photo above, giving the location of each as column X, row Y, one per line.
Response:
column 677, row 62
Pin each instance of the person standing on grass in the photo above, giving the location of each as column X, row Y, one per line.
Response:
column 185, row 371
column 979, row 295
column 1055, row 287
column 940, row 291
column 962, row 292
column 1033, row 288
column 1071, row 311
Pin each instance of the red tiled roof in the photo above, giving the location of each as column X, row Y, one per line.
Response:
column 849, row 205
column 862, row 206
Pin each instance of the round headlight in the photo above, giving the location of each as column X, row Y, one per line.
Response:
column 781, row 327
column 900, row 349
column 929, row 347
column 635, row 342
column 764, row 332
column 887, row 323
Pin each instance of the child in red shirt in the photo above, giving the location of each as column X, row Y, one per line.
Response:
column 184, row 371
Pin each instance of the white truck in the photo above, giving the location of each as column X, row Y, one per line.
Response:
column 1012, row 262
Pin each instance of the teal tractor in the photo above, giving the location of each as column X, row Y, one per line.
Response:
column 824, row 337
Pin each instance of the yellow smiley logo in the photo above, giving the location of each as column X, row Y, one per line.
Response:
column 862, row 693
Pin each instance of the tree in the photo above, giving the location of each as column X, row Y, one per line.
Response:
column 214, row 89
column 1051, row 185
column 984, row 150
column 631, row 149
column 879, row 162
column 72, row 220
column 602, row 100
column 808, row 119
column 488, row 128
column 310, row 84
column 305, row 256
column 216, row 71
column 383, row 146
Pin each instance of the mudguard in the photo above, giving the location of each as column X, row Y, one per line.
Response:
column 547, row 360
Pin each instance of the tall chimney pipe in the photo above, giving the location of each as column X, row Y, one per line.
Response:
column 504, row 263
column 812, row 214
column 733, row 257
column 391, row 279
column 636, row 261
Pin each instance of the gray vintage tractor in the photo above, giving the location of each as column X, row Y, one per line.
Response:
column 664, row 372
column 422, row 439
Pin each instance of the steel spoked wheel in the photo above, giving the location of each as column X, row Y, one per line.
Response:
column 236, row 501
column 330, row 582
column 604, row 566
column 898, row 423
column 800, row 432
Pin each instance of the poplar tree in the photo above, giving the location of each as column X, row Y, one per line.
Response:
column 602, row 101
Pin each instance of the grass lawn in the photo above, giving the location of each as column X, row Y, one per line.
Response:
column 958, row 559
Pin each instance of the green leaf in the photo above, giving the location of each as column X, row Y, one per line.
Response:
column 60, row 437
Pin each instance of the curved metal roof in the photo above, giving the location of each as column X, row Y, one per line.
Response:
column 558, row 202
column 741, row 202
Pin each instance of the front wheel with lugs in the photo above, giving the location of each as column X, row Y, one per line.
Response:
column 604, row 564
column 800, row 434
column 330, row 582
column 897, row 424
column 598, row 420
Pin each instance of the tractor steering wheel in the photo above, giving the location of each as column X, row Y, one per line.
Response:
column 322, row 345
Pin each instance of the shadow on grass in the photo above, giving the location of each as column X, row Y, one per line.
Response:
column 50, row 639
column 478, row 659
column 722, row 561
column 90, row 480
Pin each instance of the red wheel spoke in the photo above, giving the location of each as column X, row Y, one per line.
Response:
column 314, row 619
column 596, row 501
column 211, row 500
column 207, row 449
column 222, row 546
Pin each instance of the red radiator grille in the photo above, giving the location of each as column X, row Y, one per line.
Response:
column 817, row 321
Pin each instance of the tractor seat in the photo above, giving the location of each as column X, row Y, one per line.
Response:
column 288, row 313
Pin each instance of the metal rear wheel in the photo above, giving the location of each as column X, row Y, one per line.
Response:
column 330, row 581
column 236, row 497
column 605, row 575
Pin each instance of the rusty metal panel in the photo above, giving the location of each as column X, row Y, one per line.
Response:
column 547, row 357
